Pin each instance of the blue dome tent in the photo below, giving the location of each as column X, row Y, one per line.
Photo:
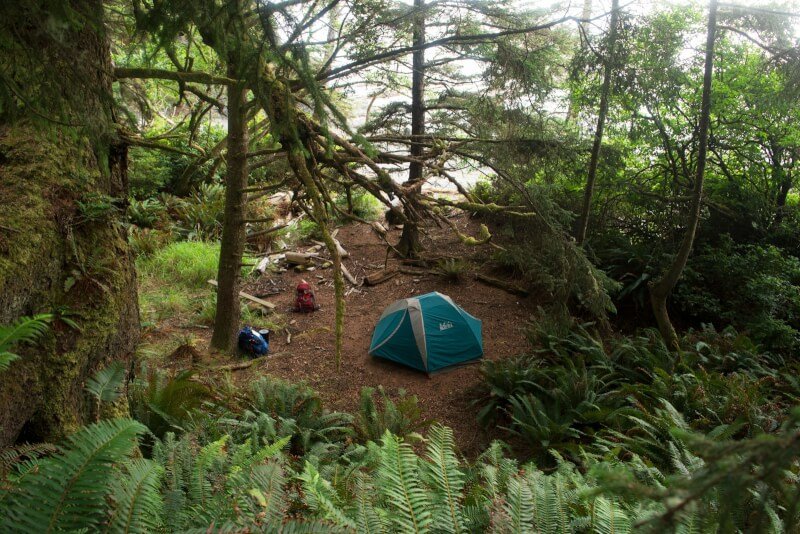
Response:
column 428, row 332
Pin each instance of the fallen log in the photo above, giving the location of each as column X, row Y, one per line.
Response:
column 502, row 284
column 381, row 276
column 267, row 304
column 413, row 272
column 300, row 258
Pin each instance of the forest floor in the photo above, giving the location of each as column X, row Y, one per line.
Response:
column 444, row 397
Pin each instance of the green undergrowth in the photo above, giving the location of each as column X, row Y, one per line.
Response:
column 580, row 394
column 174, row 283
column 202, row 457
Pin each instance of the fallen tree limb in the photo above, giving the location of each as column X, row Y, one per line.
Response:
column 413, row 272
column 268, row 305
column 300, row 258
column 350, row 277
column 381, row 276
column 267, row 231
column 502, row 284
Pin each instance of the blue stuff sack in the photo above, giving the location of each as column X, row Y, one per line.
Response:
column 251, row 342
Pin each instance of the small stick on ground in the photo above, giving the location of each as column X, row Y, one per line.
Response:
column 238, row 366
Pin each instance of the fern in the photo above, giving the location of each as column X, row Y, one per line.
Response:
column 496, row 469
column 267, row 490
column 609, row 517
column 12, row 456
column 518, row 507
column 68, row 491
column 137, row 503
column 105, row 385
column 24, row 330
column 320, row 497
column 446, row 480
column 369, row 520
column 398, row 477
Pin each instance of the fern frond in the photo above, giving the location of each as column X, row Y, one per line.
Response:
column 609, row 517
column 23, row 330
column 137, row 504
column 105, row 385
column 68, row 491
column 444, row 476
column 267, row 481
column 496, row 469
column 199, row 487
column 287, row 527
column 319, row 496
column 398, row 476
column 368, row 518
column 13, row 455
column 519, row 506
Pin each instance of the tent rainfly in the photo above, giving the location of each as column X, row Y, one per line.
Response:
column 428, row 332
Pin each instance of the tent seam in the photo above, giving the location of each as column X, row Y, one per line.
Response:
column 390, row 336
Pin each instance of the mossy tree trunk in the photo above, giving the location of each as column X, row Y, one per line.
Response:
column 662, row 289
column 226, row 320
column 62, row 168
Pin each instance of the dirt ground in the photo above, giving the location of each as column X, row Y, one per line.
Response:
column 444, row 397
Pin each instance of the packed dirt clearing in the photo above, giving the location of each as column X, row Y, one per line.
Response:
column 444, row 397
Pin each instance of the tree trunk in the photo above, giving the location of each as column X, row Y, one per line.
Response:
column 228, row 311
column 60, row 151
column 781, row 179
column 662, row 289
column 409, row 244
column 605, row 93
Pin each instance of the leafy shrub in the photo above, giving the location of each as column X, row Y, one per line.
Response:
column 628, row 393
column 150, row 171
column 365, row 205
column 402, row 418
column 307, row 230
column 751, row 287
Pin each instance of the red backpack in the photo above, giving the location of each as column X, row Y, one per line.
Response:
column 305, row 301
